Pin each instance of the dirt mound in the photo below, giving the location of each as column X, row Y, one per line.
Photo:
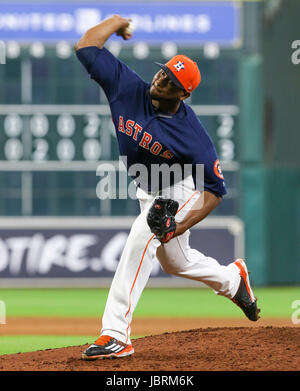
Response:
column 207, row 349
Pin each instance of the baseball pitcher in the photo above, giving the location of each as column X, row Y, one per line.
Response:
column 154, row 126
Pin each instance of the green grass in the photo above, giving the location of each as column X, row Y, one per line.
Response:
column 29, row 343
column 11, row 344
column 274, row 302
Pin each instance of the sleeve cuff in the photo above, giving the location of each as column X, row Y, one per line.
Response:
column 87, row 56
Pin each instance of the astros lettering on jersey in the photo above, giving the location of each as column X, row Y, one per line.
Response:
column 144, row 134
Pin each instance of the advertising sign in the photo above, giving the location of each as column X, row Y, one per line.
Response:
column 78, row 248
column 182, row 22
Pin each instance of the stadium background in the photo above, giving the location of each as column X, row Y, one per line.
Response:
column 56, row 129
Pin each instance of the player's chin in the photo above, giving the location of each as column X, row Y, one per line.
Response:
column 155, row 94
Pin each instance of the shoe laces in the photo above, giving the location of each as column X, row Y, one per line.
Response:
column 103, row 339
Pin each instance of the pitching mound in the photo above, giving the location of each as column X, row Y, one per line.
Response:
column 209, row 349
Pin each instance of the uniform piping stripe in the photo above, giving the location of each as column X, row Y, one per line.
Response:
column 134, row 284
column 196, row 192
column 137, row 273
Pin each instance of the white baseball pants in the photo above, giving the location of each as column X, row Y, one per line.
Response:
column 176, row 257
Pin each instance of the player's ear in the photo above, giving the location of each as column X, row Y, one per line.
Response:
column 185, row 95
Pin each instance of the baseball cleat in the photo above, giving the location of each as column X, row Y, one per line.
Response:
column 107, row 347
column 244, row 297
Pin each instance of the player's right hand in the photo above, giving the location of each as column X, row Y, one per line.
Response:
column 126, row 30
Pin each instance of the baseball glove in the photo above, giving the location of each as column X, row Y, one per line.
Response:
column 161, row 218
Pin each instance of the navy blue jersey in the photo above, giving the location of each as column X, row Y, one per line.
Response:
column 145, row 135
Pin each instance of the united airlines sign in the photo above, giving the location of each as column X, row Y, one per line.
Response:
column 182, row 22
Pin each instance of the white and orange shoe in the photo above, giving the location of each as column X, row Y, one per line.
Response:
column 244, row 297
column 107, row 347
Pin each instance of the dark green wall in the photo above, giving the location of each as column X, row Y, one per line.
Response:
column 270, row 145
column 281, row 86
